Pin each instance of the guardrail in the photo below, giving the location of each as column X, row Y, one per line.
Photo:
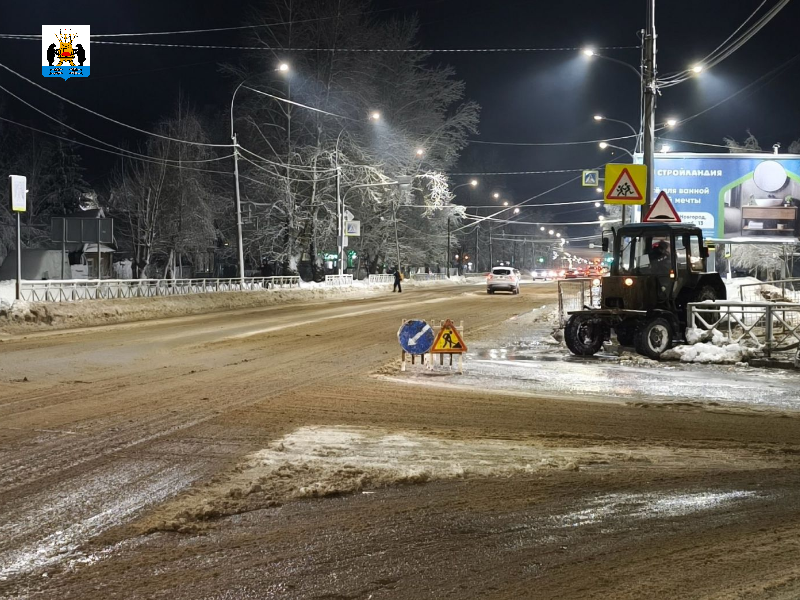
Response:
column 71, row 290
column 576, row 294
column 338, row 280
column 781, row 290
column 774, row 326
column 429, row 277
column 381, row 279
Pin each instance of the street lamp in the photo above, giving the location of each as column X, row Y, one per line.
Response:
column 551, row 232
column 558, row 235
column 496, row 195
column 604, row 145
column 599, row 118
column 420, row 152
column 516, row 211
column 375, row 116
column 597, row 205
column 505, row 202
column 588, row 51
column 283, row 67
column 697, row 68
column 598, row 190
column 665, row 148
column 474, row 183
column 672, row 122
column 541, row 228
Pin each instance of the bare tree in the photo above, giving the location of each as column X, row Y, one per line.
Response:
column 750, row 144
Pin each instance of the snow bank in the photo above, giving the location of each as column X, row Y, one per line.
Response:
column 28, row 316
column 708, row 353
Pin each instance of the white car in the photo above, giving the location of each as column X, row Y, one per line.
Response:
column 543, row 274
column 503, row 278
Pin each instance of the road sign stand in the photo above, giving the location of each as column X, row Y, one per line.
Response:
column 426, row 357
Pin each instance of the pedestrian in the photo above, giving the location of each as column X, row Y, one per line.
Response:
column 398, row 277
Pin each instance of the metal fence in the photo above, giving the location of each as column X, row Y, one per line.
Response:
column 773, row 325
column 781, row 290
column 576, row 294
column 381, row 279
column 72, row 290
column 428, row 276
column 338, row 280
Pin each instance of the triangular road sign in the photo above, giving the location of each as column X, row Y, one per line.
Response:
column 448, row 340
column 624, row 188
column 662, row 211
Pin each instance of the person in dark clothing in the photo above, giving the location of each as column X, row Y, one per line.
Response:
column 397, row 279
column 661, row 258
column 51, row 54
column 81, row 53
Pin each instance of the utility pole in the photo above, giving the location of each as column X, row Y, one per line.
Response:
column 238, row 210
column 491, row 256
column 649, row 93
column 448, row 248
column 477, row 239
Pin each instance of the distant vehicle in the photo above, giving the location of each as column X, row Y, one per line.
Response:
column 573, row 274
column 543, row 274
column 503, row 278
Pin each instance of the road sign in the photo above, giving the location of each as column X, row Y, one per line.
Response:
column 352, row 228
column 662, row 211
column 591, row 178
column 415, row 337
column 348, row 216
column 624, row 184
column 448, row 341
column 17, row 190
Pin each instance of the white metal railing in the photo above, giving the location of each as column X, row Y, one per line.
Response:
column 773, row 325
column 576, row 294
column 338, row 280
column 781, row 290
column 380, row 279
column 71, row 290
column 428, row 276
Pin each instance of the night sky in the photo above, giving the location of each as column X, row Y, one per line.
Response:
column 525, row 96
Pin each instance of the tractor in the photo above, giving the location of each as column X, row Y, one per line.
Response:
column 657, row 270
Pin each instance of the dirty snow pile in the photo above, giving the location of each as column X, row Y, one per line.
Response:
column 710, row 348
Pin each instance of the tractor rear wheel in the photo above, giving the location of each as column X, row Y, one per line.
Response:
column 584, row 334
column 653, row 337
column 706, row 292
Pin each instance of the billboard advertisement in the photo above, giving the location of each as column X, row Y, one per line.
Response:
column 733, row 195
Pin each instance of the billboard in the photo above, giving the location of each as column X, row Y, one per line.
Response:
column 733, row 195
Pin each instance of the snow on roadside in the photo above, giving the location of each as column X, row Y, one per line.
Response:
column 8, row 293
column 709, row 353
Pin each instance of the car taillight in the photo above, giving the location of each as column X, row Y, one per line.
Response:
column 489, row 276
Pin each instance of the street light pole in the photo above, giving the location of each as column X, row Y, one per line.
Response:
column 649, row 92
column 239, row 242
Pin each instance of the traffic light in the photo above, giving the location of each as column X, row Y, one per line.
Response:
column 540, row 259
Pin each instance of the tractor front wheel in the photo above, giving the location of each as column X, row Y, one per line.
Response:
column 653, row 337
column 584, row 334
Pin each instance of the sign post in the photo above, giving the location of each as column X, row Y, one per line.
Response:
column 17, row 193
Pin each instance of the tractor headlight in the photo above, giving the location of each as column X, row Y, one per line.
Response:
column 628, row 281
column 596, row 282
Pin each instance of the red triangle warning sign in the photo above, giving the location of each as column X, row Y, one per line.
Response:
column 662, row 211
column 448, row 341
column 625, row 188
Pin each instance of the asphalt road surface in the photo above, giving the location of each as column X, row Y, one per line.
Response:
column 263, row 453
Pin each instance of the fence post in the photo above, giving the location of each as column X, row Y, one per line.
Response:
column 770, row 338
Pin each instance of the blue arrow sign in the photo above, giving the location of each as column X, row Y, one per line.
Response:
column 415, row 337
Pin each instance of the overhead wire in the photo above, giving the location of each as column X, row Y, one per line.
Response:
column 102, row 116
column 609, row 139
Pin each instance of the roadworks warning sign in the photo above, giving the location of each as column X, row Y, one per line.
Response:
column 448, row 340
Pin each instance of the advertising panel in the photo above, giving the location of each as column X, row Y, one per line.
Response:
column 733, row 195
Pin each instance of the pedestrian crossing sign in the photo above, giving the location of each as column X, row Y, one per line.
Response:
column 591, row 178
column 624, row 184
column 448, row 340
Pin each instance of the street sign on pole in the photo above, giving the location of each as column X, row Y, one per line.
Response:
column 662, row 211
column 17, row 191
column 590, row 178
column 352, row 228
column 624, row 184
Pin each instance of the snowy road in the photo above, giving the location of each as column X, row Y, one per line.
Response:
column 275, row 453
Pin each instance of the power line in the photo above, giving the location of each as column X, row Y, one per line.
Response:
column 287, row 101
column 484, row 174
column 141, row 158
column 97, row 114
column 611, row 139
column 354, row 50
